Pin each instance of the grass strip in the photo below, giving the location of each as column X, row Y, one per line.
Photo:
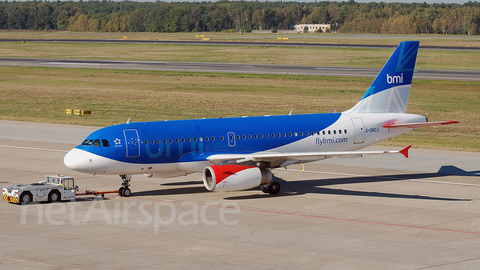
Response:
column 43, row 95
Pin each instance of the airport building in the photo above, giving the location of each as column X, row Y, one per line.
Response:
column 312, row 27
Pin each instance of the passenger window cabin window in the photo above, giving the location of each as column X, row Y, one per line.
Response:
column 176, row 140
column 289, row 134
column 195, row 139
column 105, row 143
column 183, row 140
column 339, row 131
column 261, row 136
column 238, row 137
column 146, row 142
column 244, row 137
column 213, row 139
column 231, row 137
column 284, row 134
column 334, row 132
column 307, row 133
column 152, row 141
column 295, row 134
column 206, row 139
column 164, row 141
column 345, row 131
column 301, row 133
column 323, row 132
column 221, row 138
column 329, row 132
column 250, row 136
column 273, row 135
column 159, row 141
column 279, row 135
column 171, row 141
column 96, row 143
column 255, row 136
column 189, row 139
column 266, row 135
column 200, row 139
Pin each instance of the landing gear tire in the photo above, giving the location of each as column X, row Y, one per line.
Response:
column 26, row 198
column 273, row 188
column 264, row 188
column 124, row 191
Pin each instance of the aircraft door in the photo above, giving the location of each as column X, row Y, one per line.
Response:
column 133, row 142
column 231, row 139
column 359, row 128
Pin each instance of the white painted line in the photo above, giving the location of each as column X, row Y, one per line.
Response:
column 393, row 178
column 33, row 148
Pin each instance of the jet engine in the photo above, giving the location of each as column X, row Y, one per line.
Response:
column 238, row 177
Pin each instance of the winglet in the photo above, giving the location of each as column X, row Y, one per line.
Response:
column 404, row 151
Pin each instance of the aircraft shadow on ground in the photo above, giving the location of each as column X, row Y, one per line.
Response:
column 320, row 186
column 171, row 191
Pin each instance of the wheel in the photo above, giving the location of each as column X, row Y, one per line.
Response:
column 264, row 188
column 25, row 198
column 120, row 191
column 273, row 187
column 127, row 192
column 54, row 196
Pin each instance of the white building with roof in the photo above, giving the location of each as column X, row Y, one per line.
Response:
column 312, row 27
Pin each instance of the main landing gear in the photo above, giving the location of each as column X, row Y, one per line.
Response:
column 272, row 187
column 124, row 191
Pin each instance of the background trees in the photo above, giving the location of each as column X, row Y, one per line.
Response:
column 351, row 17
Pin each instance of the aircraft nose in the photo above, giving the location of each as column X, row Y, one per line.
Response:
column 74, row 159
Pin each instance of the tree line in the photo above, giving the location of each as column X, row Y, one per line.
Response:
column 240, row 16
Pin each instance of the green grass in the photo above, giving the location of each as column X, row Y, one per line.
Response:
column 427, row 59
column 43, row 94
column 425, row 39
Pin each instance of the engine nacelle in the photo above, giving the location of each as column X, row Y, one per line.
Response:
column 234, row 177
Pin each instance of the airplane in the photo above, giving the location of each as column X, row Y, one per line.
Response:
column 240, row 153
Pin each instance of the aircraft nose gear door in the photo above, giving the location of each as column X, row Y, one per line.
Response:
column 133, row 142
column 359, row 130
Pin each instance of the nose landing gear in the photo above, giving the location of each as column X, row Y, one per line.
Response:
column 124, row 191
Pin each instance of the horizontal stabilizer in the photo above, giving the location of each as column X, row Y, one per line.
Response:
column 422, row 124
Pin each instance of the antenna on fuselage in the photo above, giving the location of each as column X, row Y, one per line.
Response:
column 290, row 113
column 128, row 121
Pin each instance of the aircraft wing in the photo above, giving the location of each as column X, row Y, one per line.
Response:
column 297, row 156
column 422, row 124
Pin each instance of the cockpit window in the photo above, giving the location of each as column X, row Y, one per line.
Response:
column 105, row 143
column 87, row 142
column 96, row 143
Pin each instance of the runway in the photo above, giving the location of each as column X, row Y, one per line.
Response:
column 365, row 213
column 240, row 43
column 428, row 74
